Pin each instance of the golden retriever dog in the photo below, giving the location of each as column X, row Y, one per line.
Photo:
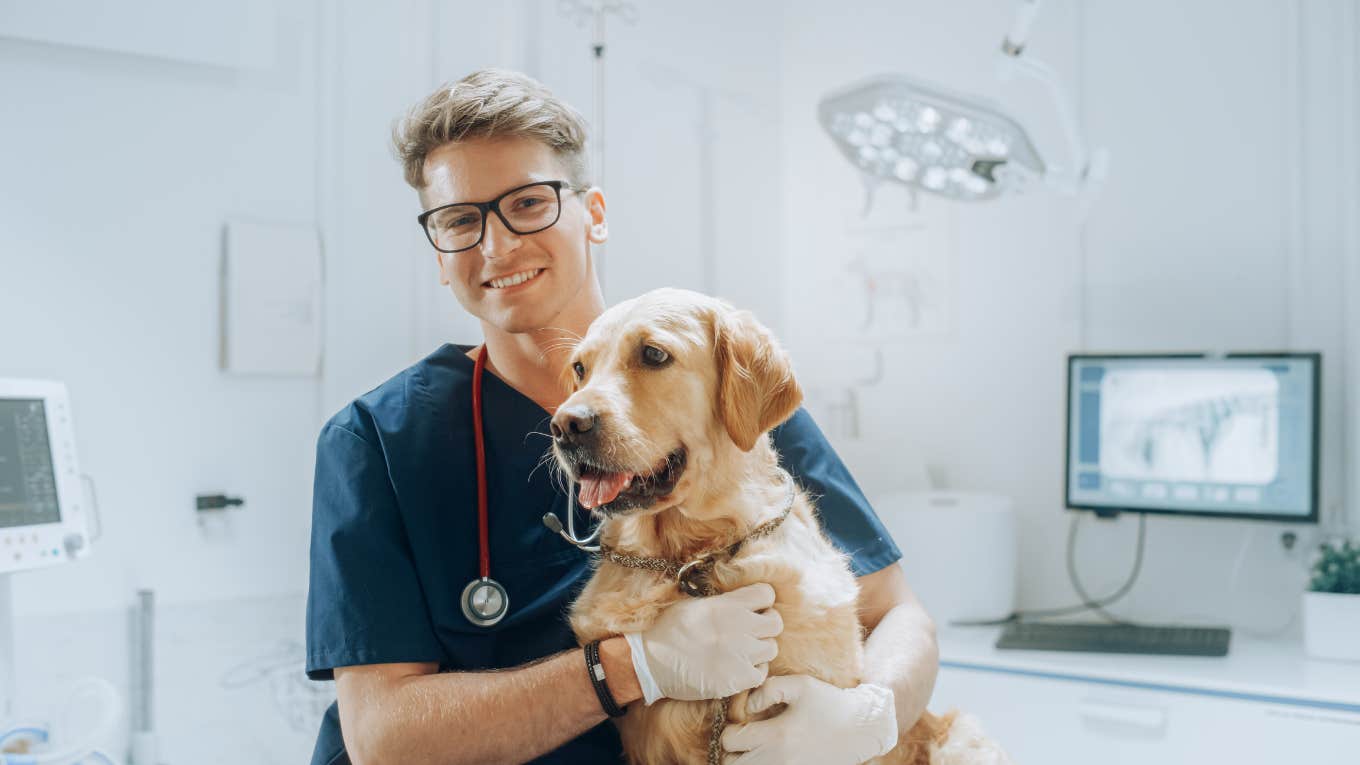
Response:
column 683, row 389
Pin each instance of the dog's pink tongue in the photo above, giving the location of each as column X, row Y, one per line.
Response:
column 602, row 488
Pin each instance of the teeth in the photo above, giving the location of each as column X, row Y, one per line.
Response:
column 513, row 279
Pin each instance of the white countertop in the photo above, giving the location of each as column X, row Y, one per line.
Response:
column 1255, row 669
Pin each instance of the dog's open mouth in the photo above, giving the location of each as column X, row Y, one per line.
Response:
column 611, row 492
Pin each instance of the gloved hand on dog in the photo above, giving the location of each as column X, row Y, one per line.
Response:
column 708, row 648
column 823, row 724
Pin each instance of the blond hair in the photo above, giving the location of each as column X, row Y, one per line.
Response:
column 491, row 103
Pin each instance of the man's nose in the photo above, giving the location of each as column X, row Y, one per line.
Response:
column 497, row 240
column 574, row 425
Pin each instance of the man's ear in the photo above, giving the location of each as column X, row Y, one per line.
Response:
column 756, row 386
column 597, row 230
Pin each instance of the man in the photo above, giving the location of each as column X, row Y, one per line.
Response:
column 395, row 534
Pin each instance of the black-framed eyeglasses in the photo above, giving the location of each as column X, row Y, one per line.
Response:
column 525, row 209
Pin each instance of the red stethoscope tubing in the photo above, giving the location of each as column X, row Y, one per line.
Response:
column 483, row 543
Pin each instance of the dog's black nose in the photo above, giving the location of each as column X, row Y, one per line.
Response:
column 573, row 424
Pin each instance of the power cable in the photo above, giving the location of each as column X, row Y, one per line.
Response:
column 1087, row 602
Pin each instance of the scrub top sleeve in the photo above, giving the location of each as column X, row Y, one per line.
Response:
column 365, row 604
column 844, row 512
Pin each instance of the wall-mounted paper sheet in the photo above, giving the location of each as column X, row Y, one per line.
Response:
column 271, row 301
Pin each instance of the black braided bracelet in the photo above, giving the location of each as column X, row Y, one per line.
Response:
column 596, row 671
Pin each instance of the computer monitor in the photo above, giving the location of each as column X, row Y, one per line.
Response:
column 1232, row 436
column 42, row 513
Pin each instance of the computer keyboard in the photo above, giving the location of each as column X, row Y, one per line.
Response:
column 1115, row 638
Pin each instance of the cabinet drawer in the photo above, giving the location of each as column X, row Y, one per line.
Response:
column 1056, row 721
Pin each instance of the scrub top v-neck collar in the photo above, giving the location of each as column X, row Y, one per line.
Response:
column 463, row 350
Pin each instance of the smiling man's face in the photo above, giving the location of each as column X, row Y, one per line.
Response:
column 516, row 283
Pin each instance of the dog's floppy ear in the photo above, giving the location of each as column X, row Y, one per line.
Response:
column 756, row 387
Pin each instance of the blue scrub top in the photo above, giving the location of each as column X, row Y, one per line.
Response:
column 394, row 533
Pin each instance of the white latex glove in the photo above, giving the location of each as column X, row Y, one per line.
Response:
column 708, row 648
column 823, row 724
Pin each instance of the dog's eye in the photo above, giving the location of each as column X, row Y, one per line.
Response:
column 653, row 356
column 580, row 370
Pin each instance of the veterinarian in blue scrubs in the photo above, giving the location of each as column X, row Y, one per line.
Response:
column 395, row 541
column 395, row 524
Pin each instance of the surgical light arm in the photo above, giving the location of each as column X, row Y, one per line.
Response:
column 1088, row 168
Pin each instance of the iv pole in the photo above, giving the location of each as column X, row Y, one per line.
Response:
column 595, row 11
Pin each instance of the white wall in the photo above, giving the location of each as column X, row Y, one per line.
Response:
column 1224, row 225
column 119, row 172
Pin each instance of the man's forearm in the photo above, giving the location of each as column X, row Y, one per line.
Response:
column 489, row 717
column 901, row 654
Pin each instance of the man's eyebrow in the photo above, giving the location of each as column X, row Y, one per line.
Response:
column 515, row 185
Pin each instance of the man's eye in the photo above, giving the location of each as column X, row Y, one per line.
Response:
column 653, row 356
column 580, row 370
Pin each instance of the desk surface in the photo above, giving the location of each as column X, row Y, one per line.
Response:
column 1254, row 669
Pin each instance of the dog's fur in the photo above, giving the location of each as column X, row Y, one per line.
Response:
column 726, row 384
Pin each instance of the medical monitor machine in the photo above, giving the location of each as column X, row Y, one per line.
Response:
column 1231, row 436
column 42, row 509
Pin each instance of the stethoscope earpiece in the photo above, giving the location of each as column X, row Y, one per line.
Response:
column 569, row 533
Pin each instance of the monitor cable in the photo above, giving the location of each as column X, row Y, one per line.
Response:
column 1088, row 603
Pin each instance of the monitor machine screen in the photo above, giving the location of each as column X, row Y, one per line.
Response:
column 28, row 482
column 1232, row 436
column 43, row 519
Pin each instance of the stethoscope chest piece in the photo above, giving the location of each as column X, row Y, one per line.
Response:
column 485, row 601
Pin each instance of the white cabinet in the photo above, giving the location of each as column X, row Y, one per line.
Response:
column 1054, row 709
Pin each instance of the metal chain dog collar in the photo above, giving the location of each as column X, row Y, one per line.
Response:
column 692, row 576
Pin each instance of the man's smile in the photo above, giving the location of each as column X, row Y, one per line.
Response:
column 513, row 279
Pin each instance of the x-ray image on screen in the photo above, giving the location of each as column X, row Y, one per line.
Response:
column 1216, row 426
column 1224, row 436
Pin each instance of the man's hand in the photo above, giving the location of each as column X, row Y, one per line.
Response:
column 823, row 724
column 708, row 648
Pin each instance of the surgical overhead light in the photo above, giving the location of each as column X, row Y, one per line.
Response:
column 898, row 129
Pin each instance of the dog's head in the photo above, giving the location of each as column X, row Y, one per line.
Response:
column 668, row 389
